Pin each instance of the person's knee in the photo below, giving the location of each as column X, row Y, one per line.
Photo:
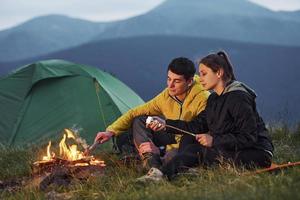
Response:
column 137, row 126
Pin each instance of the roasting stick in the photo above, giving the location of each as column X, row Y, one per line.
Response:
column 180, row 130
column 88, row 150
column 150, row 119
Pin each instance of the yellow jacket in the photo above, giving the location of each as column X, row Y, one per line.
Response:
column 165, row 105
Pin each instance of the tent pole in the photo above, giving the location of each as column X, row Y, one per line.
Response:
column 19, row 120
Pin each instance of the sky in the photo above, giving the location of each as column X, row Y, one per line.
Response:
column 14, row 12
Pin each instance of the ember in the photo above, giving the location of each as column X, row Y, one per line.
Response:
column 71, row 163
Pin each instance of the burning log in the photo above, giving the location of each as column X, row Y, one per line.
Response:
column 41, row 167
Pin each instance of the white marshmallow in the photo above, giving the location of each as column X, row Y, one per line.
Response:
column 149, row 120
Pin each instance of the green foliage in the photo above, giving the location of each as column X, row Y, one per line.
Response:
column 14, row 162
column 118, row 182
column 286, row 143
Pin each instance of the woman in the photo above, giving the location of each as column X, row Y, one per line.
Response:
column 229, row 128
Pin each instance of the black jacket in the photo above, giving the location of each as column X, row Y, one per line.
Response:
column 232, row 120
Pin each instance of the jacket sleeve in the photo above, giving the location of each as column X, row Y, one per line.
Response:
column 244, row 121
column 197, row 125
column 123, row 123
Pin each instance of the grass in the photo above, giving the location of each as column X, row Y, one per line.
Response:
column 221, row 182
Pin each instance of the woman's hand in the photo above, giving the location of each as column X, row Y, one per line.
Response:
column 205, row 139
column 156, row 124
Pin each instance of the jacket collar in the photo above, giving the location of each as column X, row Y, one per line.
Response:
column 192, row 92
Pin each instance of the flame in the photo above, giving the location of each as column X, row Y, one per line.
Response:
column 48, row 157
column 70, row 152
column 70, row 134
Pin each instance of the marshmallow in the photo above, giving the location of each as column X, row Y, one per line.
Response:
column 149, row 120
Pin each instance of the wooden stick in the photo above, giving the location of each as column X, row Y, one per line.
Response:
column 274, row 167
column 180, row 130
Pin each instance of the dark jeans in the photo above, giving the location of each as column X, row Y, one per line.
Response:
column 192, row 154
column 142, row 134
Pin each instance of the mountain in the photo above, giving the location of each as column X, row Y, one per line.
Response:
column 295, row 15
column 194, row 8
column 141, row 62
column 46, row 34
column 238, row 20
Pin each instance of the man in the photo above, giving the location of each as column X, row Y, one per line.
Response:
column 184, row 98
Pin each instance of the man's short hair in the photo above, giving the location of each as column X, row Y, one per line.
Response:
column 182, row 66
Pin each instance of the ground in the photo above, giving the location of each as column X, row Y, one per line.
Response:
column 221, row 182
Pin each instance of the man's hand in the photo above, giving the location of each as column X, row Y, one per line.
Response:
column 157, row 124
column 103, row 137
column 205, row 139
column 148, row 147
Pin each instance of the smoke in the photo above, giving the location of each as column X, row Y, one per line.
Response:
column 79, row 140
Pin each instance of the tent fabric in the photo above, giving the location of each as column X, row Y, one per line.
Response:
column 39, row 100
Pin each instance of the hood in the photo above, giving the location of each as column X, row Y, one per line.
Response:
column 239, row 86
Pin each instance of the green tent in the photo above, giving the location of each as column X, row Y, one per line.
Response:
column 39, row 100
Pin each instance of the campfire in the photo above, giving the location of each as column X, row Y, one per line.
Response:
column 71, row 162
